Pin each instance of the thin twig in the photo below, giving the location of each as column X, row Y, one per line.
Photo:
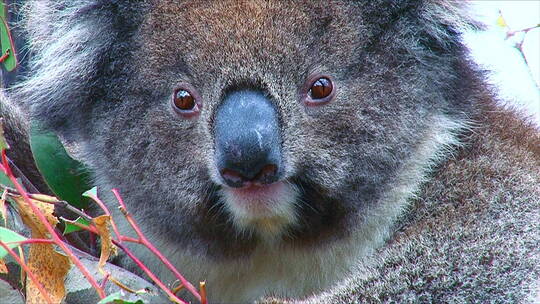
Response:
column 176, row 289
column 202, row 286
column 130, row 239
column 32, row 241
column 105, row 279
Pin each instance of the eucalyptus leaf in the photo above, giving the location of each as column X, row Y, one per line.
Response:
column 6, row 43
column 117, row 298
column 70, row 227
column 66, row 177
column 90, row 193
column 4, row 180
column 3, row 10
column 7, row 236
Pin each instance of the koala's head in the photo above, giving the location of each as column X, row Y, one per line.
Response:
column 229, row 123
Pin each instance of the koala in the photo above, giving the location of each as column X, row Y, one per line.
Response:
column 285, row 151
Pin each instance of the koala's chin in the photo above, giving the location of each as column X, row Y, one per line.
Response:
column 267, row 210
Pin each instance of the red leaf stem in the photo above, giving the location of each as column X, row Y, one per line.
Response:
column 105, row 280
column 33, row 241
column 130, row 239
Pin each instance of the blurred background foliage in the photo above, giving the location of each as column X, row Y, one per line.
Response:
column 509, row 48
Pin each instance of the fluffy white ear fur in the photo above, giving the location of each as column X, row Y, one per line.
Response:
column 64, row 53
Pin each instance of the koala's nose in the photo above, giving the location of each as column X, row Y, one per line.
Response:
column 247, row 139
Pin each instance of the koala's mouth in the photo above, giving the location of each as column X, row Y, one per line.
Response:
column 267, row 210
column 295, row 212
column 258, row 198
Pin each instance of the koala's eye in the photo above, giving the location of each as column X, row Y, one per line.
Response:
column 185, row 102
column 318, row 90
column 321, row 89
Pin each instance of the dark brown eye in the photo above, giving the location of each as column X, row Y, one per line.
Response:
column 183, row 100
column 318, row 90
column 321, row 89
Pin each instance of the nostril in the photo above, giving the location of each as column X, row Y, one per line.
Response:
column 233, row 178
column 267, row 175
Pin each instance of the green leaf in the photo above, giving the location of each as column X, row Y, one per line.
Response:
column 4, row 180
column 116, row 298
column 7, row 45
column 3, row 11
column 110, row 298
column 69, row 227
column 7, row 236
column 90, row 193
column 66, row 177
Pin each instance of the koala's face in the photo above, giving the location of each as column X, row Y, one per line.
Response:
column 256, row 121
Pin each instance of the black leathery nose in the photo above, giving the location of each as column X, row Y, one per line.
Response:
column 247, row 139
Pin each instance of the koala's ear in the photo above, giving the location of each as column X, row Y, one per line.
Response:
column 453, row 14
column 68, row 40
column 46, row 18
column 434, row 24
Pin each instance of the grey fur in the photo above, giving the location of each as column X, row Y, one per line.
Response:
column 405, row 140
